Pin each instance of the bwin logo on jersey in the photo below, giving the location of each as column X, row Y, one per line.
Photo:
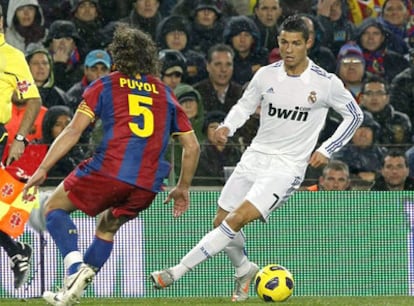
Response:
column 291, row 114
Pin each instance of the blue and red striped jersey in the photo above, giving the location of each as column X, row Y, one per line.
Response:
column 138, row 117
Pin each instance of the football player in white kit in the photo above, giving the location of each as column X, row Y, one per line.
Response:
column 295, row 95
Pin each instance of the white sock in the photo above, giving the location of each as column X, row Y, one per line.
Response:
column 211, row 244
column 235, row 250
column 72, row 258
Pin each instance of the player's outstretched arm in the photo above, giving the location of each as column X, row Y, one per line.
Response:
column 190, row 156
column 59, row 148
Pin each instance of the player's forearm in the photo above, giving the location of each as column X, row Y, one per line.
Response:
column 60, row 147
column 190, row 156
column 344, row 132
column 32, row 110
column 237, row 116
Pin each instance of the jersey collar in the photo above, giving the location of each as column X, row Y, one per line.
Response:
column 305, row 76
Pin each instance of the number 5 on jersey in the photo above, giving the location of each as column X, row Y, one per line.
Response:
column 137, row 107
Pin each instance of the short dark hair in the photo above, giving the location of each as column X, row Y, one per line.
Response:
column 1, row 11
column 374, row 79
column 219, row 48
column 295, row 23
column 395, row 153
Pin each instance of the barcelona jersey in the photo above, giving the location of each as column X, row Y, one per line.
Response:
column 138, row 114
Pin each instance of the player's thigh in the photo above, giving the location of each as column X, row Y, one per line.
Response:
column 271, row 191
column 106, row 193
column 108, row 224
column 235, row 190
column 59, row 200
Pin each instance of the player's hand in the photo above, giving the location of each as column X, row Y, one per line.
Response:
column 181, row 198
column 221, row 135
column 34, row 181
column 15, row 152
column 318, row 160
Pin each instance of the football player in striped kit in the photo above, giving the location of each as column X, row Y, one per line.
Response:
column 139, row 113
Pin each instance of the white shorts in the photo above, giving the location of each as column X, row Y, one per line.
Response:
column 264, row 180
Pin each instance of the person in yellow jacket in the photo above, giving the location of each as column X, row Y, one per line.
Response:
column 15, row 77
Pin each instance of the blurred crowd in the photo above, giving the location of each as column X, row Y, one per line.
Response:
column 208, row 51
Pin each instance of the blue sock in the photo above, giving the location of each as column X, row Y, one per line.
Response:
column 63, row 231
column 98, row 253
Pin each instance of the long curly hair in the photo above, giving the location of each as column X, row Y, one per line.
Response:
column 134, row 52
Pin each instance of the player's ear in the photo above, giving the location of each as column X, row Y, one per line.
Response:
column 309, row 42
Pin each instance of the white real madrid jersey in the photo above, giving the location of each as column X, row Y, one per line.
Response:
column 293, row 111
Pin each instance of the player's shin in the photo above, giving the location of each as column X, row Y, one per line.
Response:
column 211, row 244
column 63, row 231
column 236, row 252
column 98, row 253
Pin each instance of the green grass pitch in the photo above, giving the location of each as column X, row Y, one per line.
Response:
column 300, row 301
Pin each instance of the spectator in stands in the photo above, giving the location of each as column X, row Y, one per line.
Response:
column 394, row 173
column 333, row 17
column 394, row 17
column 266, row 15
column 174, row 32
column 145, row 16
column 376, row 43
column 54, row 121
column 213, row 156
column 395, row 126
column 219, row 92
column 88, row 20
column 351, row 67
column 363, row 155
column 173, row 67
column 243, row 36
column 185, row 8
column 335, row 177
column 113, row 10
column 401, row 90
column 192, row 103
column 295, row 7
column 97, row 64
column 361, row 10
column 67, row 50
column 25, row 24
column 41, row 66
column 207, row 25
column 55, row 10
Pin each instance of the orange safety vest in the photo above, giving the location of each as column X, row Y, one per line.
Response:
column 313, row 188
column 14, row 211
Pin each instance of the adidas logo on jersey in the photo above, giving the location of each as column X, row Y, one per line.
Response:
column 296, row 114
column 270, row 90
